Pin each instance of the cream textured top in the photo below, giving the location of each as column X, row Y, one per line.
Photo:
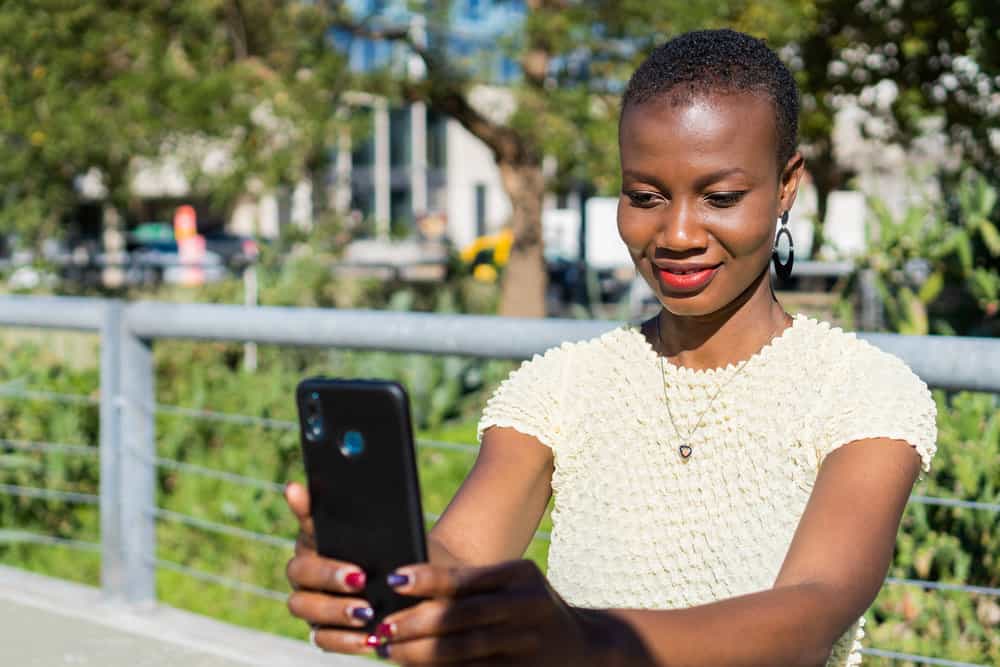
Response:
column 634, row 525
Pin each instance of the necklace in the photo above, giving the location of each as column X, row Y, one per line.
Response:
column 685, row 448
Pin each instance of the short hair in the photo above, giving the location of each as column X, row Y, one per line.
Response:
column 720, row 61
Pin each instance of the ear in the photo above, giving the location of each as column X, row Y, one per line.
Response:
column 791, row 176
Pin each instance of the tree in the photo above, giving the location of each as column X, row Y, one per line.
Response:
column 574, row 58
column 98, row 85
column 942, row 58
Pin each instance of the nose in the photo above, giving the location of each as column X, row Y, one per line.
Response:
column 681, row 230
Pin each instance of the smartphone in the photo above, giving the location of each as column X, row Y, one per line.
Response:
column 357, row 444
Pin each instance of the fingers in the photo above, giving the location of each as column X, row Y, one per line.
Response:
column 297, row 498
column 342, row 641
column 435, row 581
column 488, row 645
column 441, row 617
column 320, row 609
column 310, row 571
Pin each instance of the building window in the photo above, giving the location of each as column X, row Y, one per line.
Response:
column 480, row 209
column 399, row 137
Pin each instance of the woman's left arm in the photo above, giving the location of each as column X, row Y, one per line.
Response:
column 832, row 572
column 834, row 568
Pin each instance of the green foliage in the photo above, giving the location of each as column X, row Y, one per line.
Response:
column 937, row 267
column 102, row 84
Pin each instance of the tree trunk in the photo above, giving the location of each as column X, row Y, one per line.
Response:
column 525, row 278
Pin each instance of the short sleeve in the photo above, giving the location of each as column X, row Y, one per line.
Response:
column 530, row 400
column 875, row 395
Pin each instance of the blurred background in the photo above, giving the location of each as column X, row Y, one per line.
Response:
column 456, row 157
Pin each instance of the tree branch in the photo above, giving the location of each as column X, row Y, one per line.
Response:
column 237, row 29
column 443, row 92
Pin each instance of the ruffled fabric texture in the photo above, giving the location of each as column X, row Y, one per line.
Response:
column 637, row 526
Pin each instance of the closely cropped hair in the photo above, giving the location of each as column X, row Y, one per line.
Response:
column 722, row 61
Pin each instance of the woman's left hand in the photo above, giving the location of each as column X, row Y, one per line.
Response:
column 498, row 615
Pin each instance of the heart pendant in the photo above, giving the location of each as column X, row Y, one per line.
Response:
column 685, row 451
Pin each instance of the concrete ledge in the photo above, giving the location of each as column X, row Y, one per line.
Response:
column 49, row 621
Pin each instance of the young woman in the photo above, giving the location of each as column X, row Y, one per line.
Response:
column 728, row 479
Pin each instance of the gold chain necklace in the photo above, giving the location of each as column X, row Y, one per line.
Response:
column 685, row 448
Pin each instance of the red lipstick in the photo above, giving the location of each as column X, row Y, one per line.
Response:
column 681, row 277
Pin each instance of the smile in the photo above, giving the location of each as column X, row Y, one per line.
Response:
column 687, row 280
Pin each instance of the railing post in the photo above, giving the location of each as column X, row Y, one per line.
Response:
column 112, row 549
column 138, row 474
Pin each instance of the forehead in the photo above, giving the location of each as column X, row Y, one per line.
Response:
column 701, row 131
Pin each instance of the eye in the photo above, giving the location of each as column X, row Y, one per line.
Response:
column 641, row 199
column 725, row 199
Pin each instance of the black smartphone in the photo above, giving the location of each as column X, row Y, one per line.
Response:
column 357, row 444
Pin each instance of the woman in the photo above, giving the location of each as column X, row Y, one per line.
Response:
column 728, row 480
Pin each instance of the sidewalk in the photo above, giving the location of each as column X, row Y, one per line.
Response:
column 46, row 622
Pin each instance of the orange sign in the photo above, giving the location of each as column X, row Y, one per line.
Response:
column 185, row 223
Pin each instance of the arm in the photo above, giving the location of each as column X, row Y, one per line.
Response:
column 494, row 515
column 834, row 568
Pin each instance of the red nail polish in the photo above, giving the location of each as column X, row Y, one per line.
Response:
column 355, row 580
column 384, row 630
column 372, row 641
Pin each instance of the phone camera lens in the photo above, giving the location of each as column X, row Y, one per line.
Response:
column 314, row 425
column 353, row 444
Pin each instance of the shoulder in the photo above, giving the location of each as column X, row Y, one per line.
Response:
column 623, row 342
column 866, row 392
column 534, row 396
column 853, row 364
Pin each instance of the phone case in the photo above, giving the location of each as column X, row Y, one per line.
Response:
column 365, row 495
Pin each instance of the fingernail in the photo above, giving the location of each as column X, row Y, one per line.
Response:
column 386, row 630
column 396, row 580
column 355, row 580
column 372, row 641
column 382, row 651
column 362, row 613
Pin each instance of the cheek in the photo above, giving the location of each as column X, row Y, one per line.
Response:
column 633, row 230
column 745, row 236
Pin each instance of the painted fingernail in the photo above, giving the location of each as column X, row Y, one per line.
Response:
column 382, row 651
column 355, row 580
column 386, row 630
column 396, row 580
column 372, row 641
column 362, row 613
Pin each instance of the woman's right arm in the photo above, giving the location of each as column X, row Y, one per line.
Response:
column 491, row 519
column 495, row 513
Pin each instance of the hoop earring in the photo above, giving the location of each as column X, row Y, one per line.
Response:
column 784, row 271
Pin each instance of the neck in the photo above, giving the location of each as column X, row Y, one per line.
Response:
column 727, row 336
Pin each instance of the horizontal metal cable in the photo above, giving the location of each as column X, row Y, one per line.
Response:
column 227, row 582
column 961, row 588
column 34, row 446
column 213, row 473
column 28, row 537
column 52, row 396
column 285, row 425
column 228, row 417
column 220, row 528
column 50, row 494
column 950, row 502
column 542, row 535
column 879, row 653
column 452, row 446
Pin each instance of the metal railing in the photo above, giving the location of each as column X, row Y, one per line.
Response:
column 127, row 404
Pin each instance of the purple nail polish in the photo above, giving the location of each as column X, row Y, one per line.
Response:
column 382, row 651
column 396, row 580
column 362, row 613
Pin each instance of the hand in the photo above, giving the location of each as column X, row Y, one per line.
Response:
column 325, row 590
column 498, row 615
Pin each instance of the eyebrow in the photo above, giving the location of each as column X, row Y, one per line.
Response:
column 702, row 182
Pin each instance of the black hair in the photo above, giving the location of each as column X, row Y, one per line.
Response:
column 720, row 61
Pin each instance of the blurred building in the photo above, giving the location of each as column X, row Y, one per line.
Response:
column 409, row 162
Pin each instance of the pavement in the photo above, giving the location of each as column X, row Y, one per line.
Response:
column 48, row 622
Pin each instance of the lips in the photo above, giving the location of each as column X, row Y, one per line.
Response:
column 682, row 277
